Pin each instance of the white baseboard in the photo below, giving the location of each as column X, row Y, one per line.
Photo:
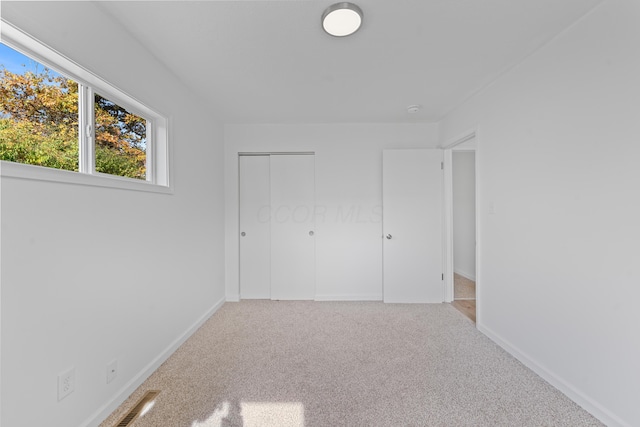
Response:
column 376, row 297
column 466, row 275
column 106, row 410
column 349, row 297
column 588, row 404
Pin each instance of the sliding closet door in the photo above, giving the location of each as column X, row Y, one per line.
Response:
column 255, row 228
column 292, row 227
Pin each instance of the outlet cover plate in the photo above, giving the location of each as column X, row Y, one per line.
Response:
column 66, row 383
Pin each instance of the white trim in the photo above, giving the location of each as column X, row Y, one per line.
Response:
column 349, row 297
column 150, row 152
column 590, row 405
column 41, row 173
column 478, row 229
column 233, row 298
column 448, row 148
column 460, row 139
column 86, row 140
column 102, row 413
column 448, row 225
column 162, row 151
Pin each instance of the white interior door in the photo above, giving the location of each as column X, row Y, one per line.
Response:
column 412, row 224
column 255, row 228
column 292, row 227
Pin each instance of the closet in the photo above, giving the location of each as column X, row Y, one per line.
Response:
column 277, row 226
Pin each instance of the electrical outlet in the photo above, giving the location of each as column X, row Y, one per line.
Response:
column 112, row 370
column 66, row 383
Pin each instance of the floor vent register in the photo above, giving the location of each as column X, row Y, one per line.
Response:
column 143, row 405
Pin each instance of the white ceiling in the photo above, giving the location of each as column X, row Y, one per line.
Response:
column 270, row 61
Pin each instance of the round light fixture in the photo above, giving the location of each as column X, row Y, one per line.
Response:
column 342, row 19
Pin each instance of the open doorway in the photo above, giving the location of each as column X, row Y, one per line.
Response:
column 462, row 263
column 463, row 199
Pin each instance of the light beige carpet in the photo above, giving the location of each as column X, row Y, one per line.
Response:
column 463, row 288
column 303, row 364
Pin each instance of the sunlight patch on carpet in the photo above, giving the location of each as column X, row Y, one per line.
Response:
column 215, row 420
column 259, row 414
column 272, row 414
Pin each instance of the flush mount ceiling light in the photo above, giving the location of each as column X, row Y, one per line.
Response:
column 342, row 19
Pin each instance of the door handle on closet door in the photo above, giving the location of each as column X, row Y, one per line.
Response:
column 389, row 236
column 243, row 234
column 311, row 233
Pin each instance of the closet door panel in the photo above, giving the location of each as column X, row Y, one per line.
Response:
column 292, row 227
column 255, row 228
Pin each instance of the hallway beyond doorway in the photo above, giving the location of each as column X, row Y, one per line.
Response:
column 464, row 291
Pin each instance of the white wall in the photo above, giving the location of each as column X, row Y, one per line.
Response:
column 95, row 274
column 464, row 213
column 558, row 280
column 348, row 194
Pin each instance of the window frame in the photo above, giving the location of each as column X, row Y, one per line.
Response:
column 157, row 146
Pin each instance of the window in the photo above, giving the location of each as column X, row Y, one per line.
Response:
column 56, row 114
column 120, row 140
column 38, row 113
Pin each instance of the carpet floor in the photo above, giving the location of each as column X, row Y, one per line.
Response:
column 304, row 364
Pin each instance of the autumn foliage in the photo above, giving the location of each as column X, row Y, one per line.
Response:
column 39, row 126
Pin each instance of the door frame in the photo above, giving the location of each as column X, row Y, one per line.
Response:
column 448, row 147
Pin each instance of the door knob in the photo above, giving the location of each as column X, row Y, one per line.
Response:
column 389, row 236
column 243, row 234
column 311, row 233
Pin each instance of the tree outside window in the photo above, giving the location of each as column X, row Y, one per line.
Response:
column 39, row 122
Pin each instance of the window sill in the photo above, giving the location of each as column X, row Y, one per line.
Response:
column 40, row 173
